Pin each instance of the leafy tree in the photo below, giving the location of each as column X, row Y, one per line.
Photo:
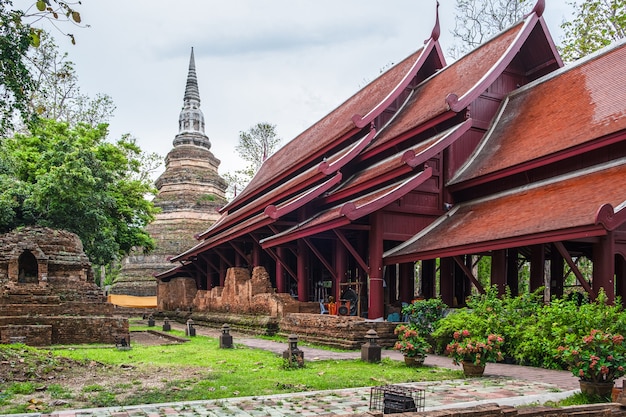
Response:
column 71, row 178
column 254, row 147
column 478, row 20
column 596, row 24
column 18, row 33
column 56, row 91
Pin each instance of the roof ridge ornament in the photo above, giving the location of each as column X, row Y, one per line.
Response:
column 434, row 35
column 540, row 6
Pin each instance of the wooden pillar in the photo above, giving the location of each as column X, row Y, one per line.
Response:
column 341, row 268
column 256, row 255
column 604, row 266
column 281, row 286
column 302, row 271
column 620, row 271
column 238, row 260
column 376, row 291
column 512, row 273
column 391, row 279
column 223, row 271
column 428, row 282
column 446, row 281
column 498, row 270
column 537, row 266
column 407, row 282
column 556, row 274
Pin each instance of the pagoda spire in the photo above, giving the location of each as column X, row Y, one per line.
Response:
column 191, row 119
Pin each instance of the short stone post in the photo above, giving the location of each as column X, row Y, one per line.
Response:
column 370, row 350
column 150, row 321
column 190, row 330
column 166, row 325
column 293, row 355
column 226, row 339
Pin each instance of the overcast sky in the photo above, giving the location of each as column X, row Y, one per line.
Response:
column 286, row 62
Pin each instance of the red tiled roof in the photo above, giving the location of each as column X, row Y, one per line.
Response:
column 354, row 209
column 330, row 128
column 429, row 99
column 562, row 111
column 564, row 207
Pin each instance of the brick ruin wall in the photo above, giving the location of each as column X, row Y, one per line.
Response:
column 57, row 302
column 249, row 303
column 44, row 331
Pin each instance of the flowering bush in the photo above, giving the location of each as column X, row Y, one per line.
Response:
column 476, row 350
column 410, row 343
column 596, row 357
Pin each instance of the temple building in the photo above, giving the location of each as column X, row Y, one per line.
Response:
column 505, row 155
column 190, row 192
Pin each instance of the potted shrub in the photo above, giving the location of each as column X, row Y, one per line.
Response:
column 473, row 353
column 597, row 359
column 412, row 346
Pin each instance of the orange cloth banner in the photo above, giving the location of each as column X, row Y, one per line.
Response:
column 132, row 301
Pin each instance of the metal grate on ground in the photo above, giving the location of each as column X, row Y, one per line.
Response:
column 391, row 399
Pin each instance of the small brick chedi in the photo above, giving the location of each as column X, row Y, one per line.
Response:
column 47, row 291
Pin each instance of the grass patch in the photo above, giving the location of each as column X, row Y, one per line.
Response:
column 244, row 371
column 578, row 399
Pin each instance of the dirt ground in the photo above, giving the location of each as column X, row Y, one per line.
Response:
column 62, row 383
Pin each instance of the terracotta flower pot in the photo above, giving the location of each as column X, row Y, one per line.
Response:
column 414, row 361
column 603, row 389
column 471, row 370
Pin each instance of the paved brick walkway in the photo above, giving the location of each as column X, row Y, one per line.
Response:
column 502, row 384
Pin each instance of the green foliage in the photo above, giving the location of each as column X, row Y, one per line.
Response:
column 596, row 357
column 596, row 24
column 424, row 314
column 23, row 388
column 73, row 179
column 477, row 350
column 410, row 343
column 17, row 35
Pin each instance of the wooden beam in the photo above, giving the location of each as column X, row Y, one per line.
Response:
column 223, row 258
column 469, row 274
column 206, row 259
column 277, row 258
column 352, row 251
column 565, row 254
column 238, row 250
column 320, row 257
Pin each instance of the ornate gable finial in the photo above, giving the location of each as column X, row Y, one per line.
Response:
column 540, row 6
column 436, row 29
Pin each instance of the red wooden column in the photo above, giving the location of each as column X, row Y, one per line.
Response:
column 340, row 268
column 604, row 266
column 446, row 281
column 256, row 255
column 620, row 277
column 376, row 307
column 223, row 270
column 498, row 270
column 512, row 274
column 429, row 277
column 303, row 279
column 537, row 266
column 407, row 282
column 556, row 274
column 280, row 272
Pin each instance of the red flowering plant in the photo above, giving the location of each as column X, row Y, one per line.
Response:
column 410, row 343
column 596, row 357
column 476, row 350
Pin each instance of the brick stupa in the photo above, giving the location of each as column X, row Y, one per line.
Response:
column 190, row 192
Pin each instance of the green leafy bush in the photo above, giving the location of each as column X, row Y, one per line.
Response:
column 424, row 314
